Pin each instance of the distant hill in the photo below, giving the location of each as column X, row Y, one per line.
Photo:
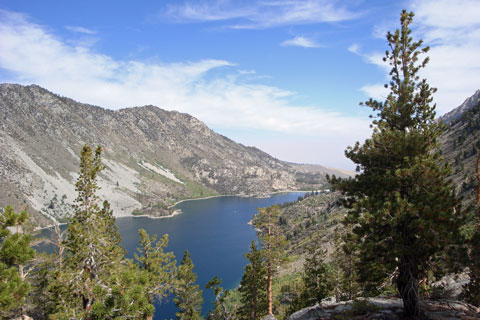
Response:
column 153, row 157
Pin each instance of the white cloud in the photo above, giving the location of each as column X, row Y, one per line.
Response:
column 301, row 41
column 262, row 14
column 80, row 29
column 33, row 55
column 452, row 30
column 354, row 48
column 375, row 91
column 447, row 13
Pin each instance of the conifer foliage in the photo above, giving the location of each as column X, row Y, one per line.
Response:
column 273, row 243
column 188, row 296
column 316, row 277
column 253, row 286
column 93, row 253
column 472, row 289
column 402, row 206
column 158, row 266
column 220, row 311
column 15, row 260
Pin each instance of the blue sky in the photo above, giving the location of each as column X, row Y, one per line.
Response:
column 282, row 75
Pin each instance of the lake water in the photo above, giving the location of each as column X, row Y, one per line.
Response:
column 216, row 233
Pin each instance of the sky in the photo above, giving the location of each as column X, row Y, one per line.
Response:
column 286, row 76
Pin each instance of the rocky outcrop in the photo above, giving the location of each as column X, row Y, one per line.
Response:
column 385, row 309
column 153, row 157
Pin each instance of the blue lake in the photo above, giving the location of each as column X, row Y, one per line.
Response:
column 216, row 233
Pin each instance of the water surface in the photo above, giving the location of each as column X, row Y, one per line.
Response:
column 216, row 233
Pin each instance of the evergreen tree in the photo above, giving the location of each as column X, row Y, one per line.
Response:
column 220, row 311
column 93, row 253
column 472, row 289
column 402, row 206
column 316, row 277
column 344, row 275
column 273, row 244
column 15, row 262
column 254, row 303
column 158, row 265
column 188, row 296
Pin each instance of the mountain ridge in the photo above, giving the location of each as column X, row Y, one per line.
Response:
column 153, row 157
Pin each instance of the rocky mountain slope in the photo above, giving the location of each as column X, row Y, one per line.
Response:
column 456, row 113
column 153, row 157
column 460, row 144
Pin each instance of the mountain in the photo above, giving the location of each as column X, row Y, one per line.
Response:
column 456, row 113
column 153, row 157
column 460, row 144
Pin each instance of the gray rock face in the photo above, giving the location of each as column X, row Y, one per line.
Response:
column 153, row 157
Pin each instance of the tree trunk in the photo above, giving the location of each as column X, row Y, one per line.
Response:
column 269, row 290
column 407, row 284
column 269, row 272
column 477, row 173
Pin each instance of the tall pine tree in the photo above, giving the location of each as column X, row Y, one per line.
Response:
column 402, row 206
column 253, row 295
column 93, row 252
column 188, row 296
column 158, row 265
column 472, row 288
column 316, row 277
column 273, row 243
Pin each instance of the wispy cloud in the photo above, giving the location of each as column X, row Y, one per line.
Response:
column 261, row 14
column 354, row 48
column 301, row 41
column 79, row 29
column 230, row 99
column 452, row 30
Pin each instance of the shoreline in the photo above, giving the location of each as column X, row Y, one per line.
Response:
column 240, row 195
column 173, row 214
column 204, row 198
column 178, row 211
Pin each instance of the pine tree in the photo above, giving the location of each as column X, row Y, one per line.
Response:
column 273, row 243
column 188, row 296
column 472, row 289
column 316, row 277
column 344, row 267
column 220, row 311
column 254, row 303
column 402, row 206
column 93, row 252
column 15, row 262
column 158, row 265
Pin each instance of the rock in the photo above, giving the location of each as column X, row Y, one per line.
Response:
column 24, row 317
column 385, row 309
column 269, row 317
